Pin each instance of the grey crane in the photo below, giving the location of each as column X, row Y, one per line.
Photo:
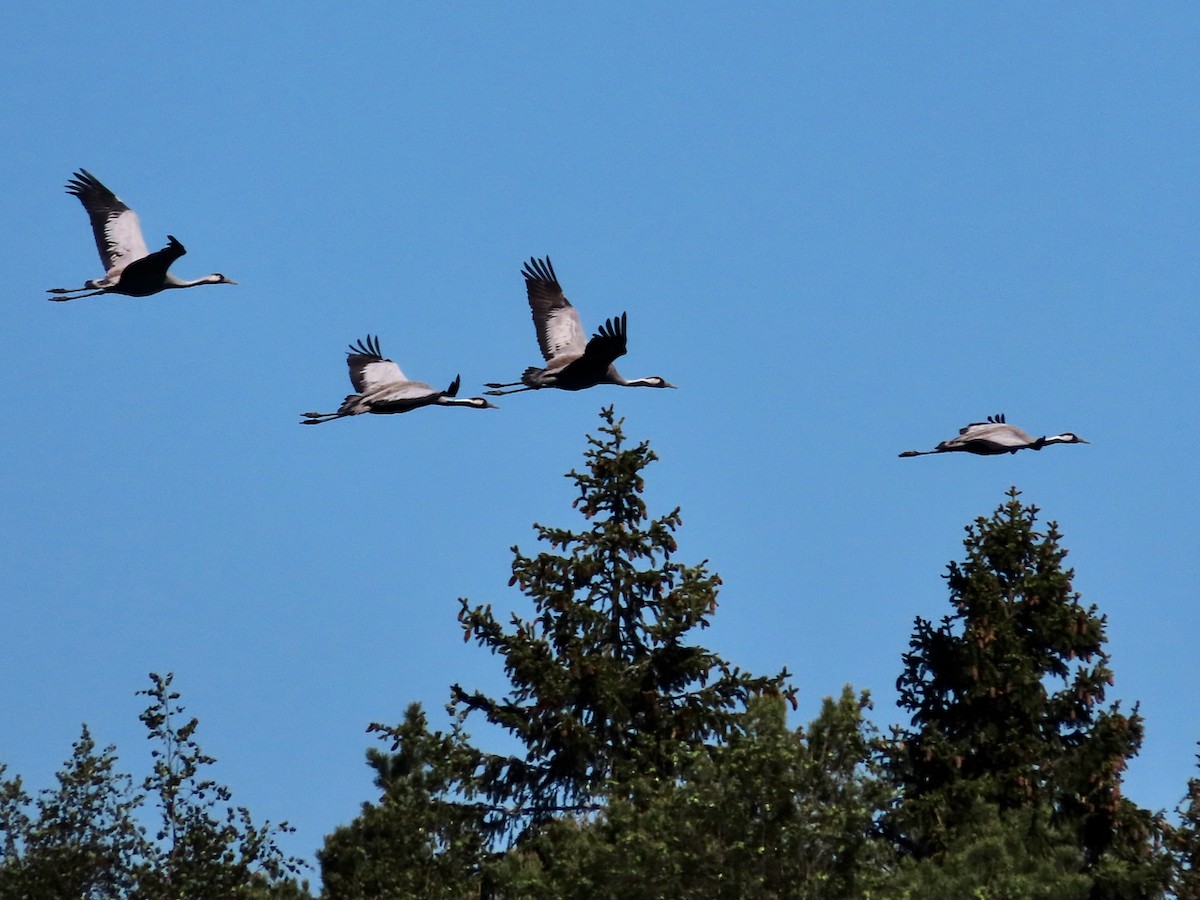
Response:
column 573, row 362
column 993, row 437
column 130, row 268
column 382, row 388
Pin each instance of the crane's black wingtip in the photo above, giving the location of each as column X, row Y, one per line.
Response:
column 368, row 346
column 82, row 182
column 541, row 270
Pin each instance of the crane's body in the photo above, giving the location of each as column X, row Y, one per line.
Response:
column 383, row 389
column 994, row 437
column 573, row 362
column 130, row 268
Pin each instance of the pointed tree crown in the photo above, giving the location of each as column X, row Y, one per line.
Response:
column 604, row 681
column 1007, row 694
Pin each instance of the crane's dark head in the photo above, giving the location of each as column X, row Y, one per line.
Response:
column 478, row 403
column 1065, row 438
column 218, row 278
column 653, row 381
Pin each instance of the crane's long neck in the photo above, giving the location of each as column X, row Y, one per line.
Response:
column 172, row 282
column 473, row 402
column 615, row 377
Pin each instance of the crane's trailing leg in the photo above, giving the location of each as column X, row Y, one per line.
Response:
column 316, row 418
column 74, row 291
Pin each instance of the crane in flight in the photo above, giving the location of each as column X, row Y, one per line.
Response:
column 573, row 362
column 382, row 388
column 993, row 437
column 129, row 267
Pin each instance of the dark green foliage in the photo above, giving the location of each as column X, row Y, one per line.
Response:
column 604, row 684
column 610, row 705
column 85, row 839
column 423, row 838
column 1183, row 842
column 646, row 766
column 1017, row 855
column 773, row 813
column 1006, row 696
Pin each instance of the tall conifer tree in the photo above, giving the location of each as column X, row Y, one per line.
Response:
column 604, row 682
column 1007, row 697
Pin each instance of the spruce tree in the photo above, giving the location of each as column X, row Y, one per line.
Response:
column 609, row 702
column 1183, row 841
column 605, row 684
column 424, row 837
column 1007, row 698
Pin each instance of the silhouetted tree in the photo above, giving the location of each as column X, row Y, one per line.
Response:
column 204, row 848
column 86, row 839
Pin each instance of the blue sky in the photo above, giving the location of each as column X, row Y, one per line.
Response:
column 842, row 231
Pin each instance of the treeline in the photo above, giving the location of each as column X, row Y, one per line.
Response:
column 649, row 767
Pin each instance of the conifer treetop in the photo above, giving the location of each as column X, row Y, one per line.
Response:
column 603, row 678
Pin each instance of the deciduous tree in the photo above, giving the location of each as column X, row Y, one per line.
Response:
column 86, row 838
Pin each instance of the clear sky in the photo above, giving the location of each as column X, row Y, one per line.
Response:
column 843, row 230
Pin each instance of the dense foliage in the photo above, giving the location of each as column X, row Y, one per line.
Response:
column 646, row 766
column 1008, row 724
column 605, row 686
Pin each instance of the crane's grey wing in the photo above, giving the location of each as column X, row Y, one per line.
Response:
column 115, row 226
column 998, row 434
column 401, row 391
column 557, row 322
column 368, row 368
